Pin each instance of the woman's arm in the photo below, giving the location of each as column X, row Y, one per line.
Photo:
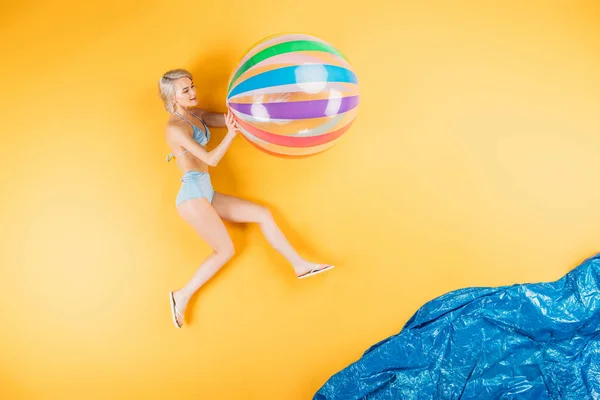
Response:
column 213, row 119
column 212, row 158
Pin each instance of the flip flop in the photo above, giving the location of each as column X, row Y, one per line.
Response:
column 316, row 270
column 174, row 310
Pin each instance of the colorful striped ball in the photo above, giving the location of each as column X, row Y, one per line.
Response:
column 293, row 95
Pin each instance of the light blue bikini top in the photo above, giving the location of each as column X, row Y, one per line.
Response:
column 200, row 137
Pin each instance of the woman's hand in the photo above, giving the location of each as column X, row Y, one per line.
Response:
column 231, row 124
column 280, row 97
column 273, row 98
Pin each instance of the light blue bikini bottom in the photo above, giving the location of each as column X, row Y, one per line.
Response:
column 195, row 184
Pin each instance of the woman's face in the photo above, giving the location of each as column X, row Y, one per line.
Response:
column 185, row 92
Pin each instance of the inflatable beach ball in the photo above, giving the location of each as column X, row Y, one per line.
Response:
column 293, row 95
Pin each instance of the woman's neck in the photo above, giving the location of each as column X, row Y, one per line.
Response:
column 182, row 110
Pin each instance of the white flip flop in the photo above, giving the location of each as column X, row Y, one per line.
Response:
column 316, row 270
column 174, row 310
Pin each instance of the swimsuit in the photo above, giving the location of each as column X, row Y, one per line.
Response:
column 195, row 184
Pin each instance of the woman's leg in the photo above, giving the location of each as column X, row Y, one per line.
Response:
column 201, row 215
column 239, row 210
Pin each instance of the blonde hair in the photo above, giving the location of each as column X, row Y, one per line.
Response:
column 166, row 88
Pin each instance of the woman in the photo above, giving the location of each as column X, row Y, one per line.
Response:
column 197, row 203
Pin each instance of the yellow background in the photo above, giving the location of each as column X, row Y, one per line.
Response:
column 473, row 162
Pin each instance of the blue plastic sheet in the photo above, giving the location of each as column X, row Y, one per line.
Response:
column 529, row 341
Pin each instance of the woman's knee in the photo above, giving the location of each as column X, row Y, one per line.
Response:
column 264, row 215
column 226, row 251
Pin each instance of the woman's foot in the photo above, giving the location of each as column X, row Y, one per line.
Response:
column 308, row 269
column 178, row 305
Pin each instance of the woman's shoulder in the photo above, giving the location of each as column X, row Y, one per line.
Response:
column 175, row 126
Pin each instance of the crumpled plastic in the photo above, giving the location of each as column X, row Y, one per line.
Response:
column 525, row 341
